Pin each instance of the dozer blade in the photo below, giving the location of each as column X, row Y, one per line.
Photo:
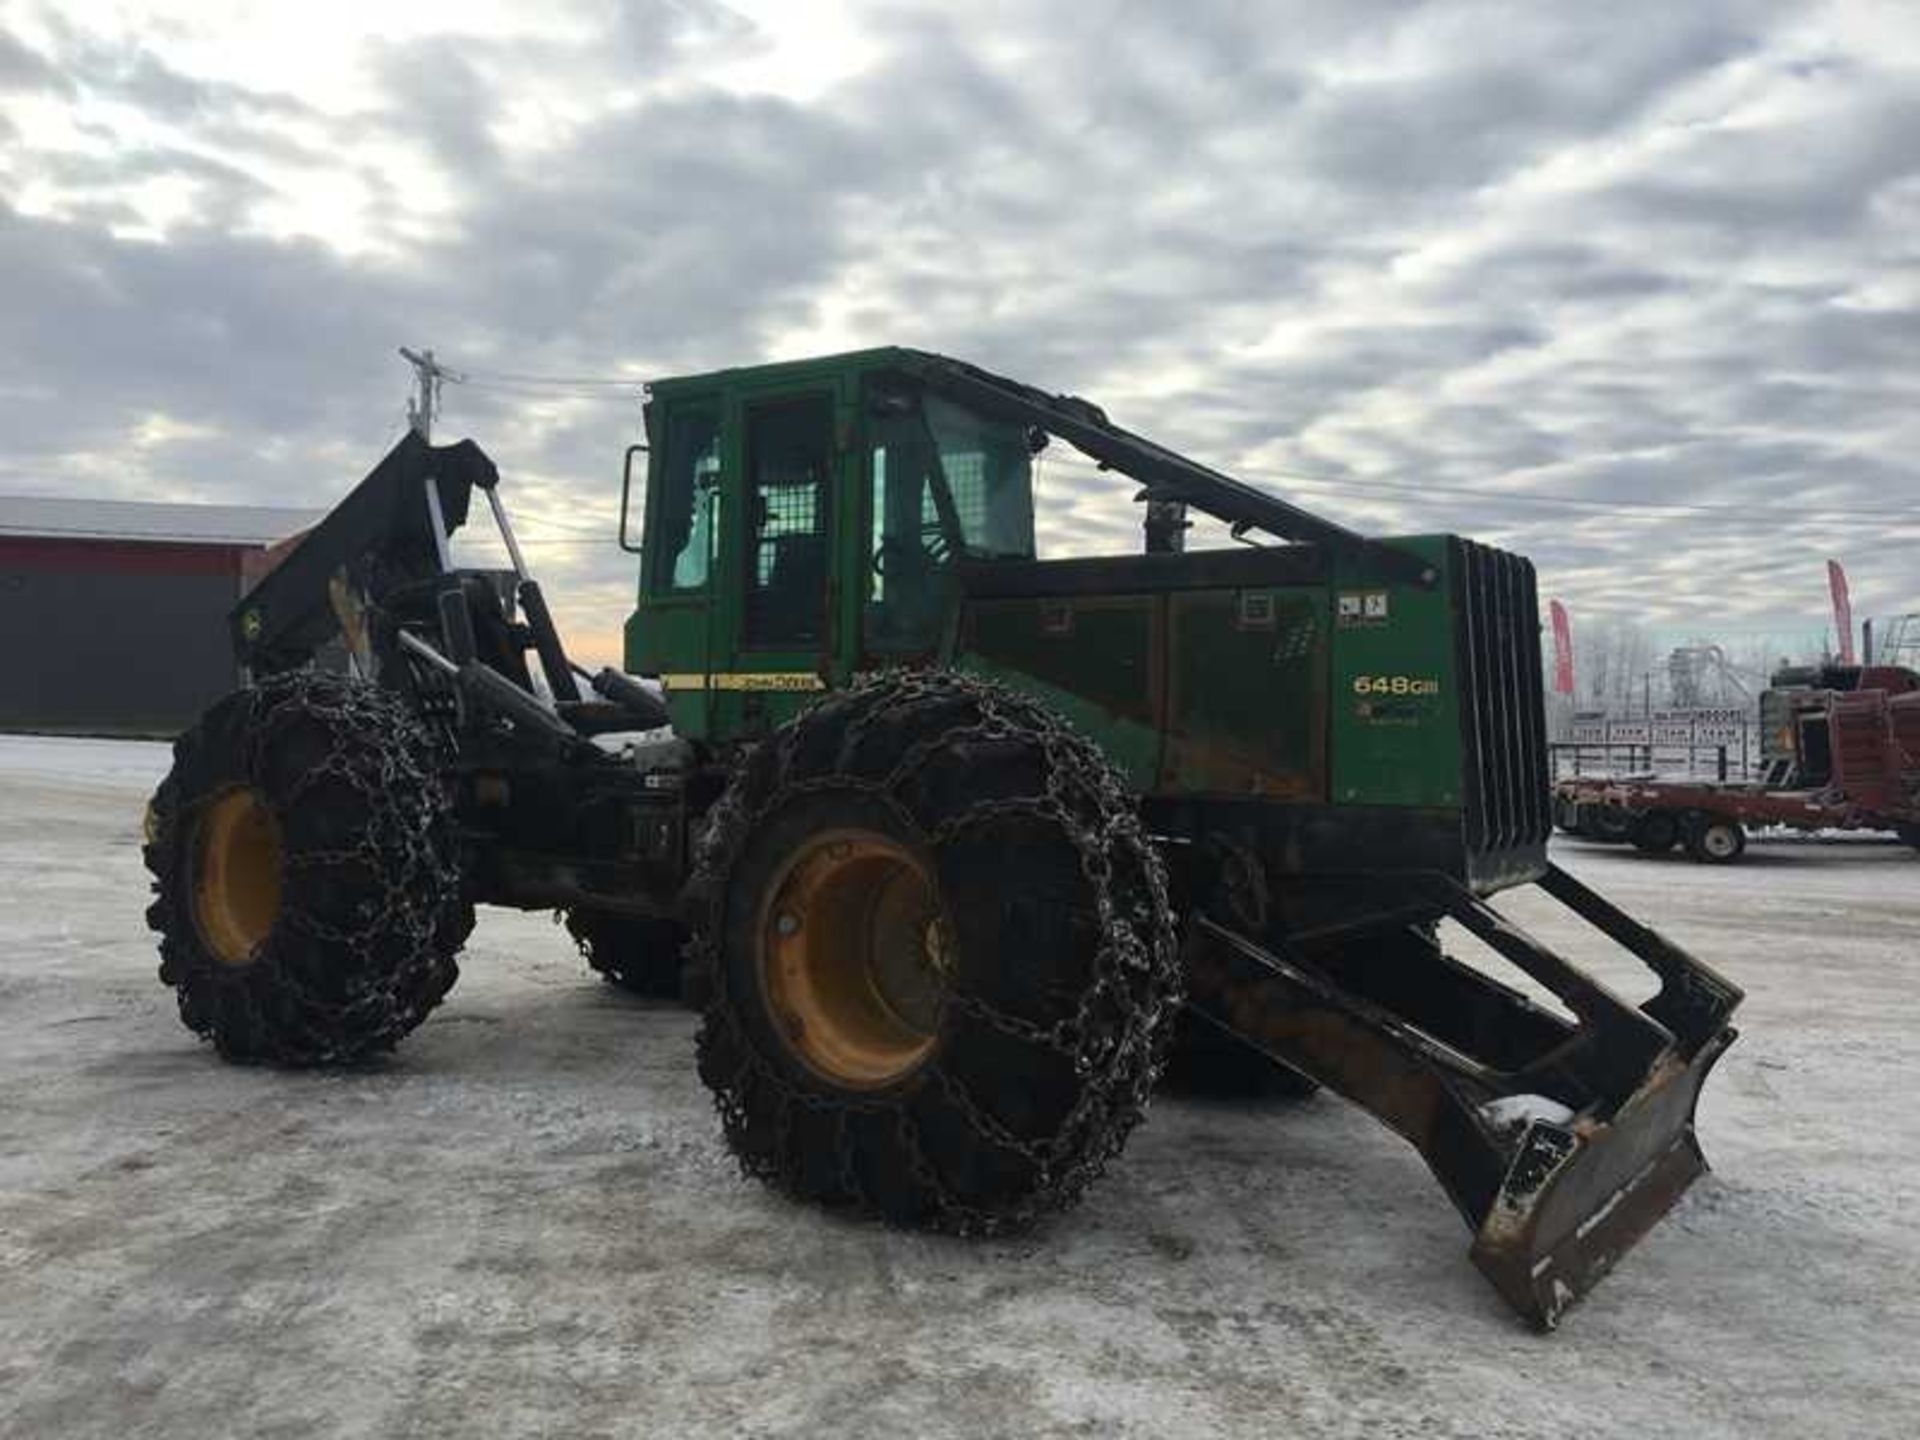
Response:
column 1574, row 1199
column 1561, row 1143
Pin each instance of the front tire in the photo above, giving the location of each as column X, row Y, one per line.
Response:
column 938, row 956
column 1716, row 842
column 305, row 871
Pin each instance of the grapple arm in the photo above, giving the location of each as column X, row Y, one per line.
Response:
column 381, row 536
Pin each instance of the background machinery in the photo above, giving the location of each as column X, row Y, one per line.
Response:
column 956, row 833
column 1839, row 750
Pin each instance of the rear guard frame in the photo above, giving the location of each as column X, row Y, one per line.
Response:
column 1558, row 1192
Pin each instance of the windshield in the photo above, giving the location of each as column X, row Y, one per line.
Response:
column 989, row 473
column 943, row 484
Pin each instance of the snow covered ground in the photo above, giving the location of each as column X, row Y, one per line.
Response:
column 525, row 1222
column 114, row 764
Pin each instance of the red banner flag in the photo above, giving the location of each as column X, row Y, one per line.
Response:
column 1842, row 610
column 1562, row 649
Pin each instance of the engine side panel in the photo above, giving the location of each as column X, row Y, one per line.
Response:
column 1385, row 725
column 1197, row 673
column 1246, row 693
column 1394, row 703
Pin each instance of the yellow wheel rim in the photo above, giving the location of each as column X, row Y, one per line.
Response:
column 855, row 953
column 236, row 876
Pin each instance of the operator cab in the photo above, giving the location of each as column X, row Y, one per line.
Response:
column 849, row 467
column 811, row 521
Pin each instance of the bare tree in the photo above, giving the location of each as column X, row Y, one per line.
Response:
column 1614, row 666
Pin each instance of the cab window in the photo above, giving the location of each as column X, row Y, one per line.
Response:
column 943, row 483
column 906, row 545
column 789, row 458
column 681, row 547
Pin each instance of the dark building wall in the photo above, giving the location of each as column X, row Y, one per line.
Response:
column 110, row 638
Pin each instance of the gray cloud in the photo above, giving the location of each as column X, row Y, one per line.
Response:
column 24, row 69
column 1443, row 264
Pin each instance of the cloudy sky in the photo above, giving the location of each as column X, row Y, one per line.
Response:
column 1633, row 288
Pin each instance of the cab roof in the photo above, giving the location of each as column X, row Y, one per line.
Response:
column 781, row 372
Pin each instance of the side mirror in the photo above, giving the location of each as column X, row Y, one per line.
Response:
column 626, row 496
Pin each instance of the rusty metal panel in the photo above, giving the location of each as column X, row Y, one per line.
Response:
column 1865, row 764
column 1100, row 648
column 1903, row 712
column 1246, row 699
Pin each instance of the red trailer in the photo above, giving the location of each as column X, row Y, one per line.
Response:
column 1854, row 764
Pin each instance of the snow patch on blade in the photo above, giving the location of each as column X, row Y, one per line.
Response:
column 1511, row 1112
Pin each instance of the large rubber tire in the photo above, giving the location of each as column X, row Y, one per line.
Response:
column 1610, row 823
column 1909, row 834
column 356, row 912
column 1655, row 832
column 1061, row 981
column 1209, row 1063
column 639, row 955
column 1713, row 841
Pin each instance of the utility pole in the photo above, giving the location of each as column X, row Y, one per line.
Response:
column 424, row 404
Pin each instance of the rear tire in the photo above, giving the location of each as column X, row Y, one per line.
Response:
column 1610, row 823
column 636, row 953
column 1655, row 832
column 1909, row 835
column 938, row 957
column 1714, row 841
column 306, row 875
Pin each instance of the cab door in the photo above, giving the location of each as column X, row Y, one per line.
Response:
column 670, row 634
column 787, row 470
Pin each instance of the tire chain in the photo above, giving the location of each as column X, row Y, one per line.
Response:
column 625, row 952
column 1135, row 969
column 405, row 847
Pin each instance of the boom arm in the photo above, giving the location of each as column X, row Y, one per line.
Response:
column 1167, row 474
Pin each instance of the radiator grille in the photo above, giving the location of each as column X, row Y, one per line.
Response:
column 1503, row 719
column 1864, row 764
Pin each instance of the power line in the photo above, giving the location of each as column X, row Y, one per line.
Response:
column 424, row 405
column 1801, row 512
column 521, row 378
column 1676, row 507
column 538, row 392
column 507, row 380
column 430, row 375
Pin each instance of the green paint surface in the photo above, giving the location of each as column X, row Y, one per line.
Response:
column 1342, row 691
column 1100, row 649
column 1394, row 717
column 1246, row 687
column 1132, row 746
